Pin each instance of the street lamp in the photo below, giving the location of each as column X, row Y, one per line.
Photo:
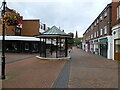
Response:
column 3, row 41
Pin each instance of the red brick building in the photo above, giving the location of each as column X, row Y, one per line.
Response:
column 98, row 36
column 20, row 39
column 116, row 31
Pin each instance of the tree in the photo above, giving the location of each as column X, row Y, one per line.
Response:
column 71, row 40
column 77, row 41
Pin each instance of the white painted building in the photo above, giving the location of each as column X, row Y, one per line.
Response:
column 116, row 42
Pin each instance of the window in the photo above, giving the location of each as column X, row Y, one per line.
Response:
column 18, row 31
column 118, row 12
column 92, row 27
column 105, row 30
column 105, row 13
column 26, row 46
column 95, row 24
column 97, row 21
column 95, row 34
column 0, row 14
column 117, row 46
column 101, row 32
column 91, row 36
column 100, row 18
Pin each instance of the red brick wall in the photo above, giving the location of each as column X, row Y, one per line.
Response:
column 30, row 28
column 114, row 13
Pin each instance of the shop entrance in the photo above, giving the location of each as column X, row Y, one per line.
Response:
column 103, row 47
column 117, row 49
column 103, row 50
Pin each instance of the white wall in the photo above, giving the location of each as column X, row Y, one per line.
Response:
column 110, row 53
column 83, row 48
column 86, row 47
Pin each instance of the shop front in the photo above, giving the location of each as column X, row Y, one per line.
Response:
column 117, row 49
column 116, row 37
column 21, row 44
column 103, row 43
column 91, row 47
column 96, row 47
column 88, row 44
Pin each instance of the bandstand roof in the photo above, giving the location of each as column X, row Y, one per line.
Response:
column 54, row 32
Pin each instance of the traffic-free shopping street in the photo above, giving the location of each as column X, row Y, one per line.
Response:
column 83, row 70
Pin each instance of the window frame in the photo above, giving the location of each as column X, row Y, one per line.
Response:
column 105, row 13
column 118, row 12
column 105, row 29
column 101, row 32
column 101, row 18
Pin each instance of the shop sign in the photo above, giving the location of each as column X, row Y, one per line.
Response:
column 91, row 42
column 103, row 41
column 95, row 41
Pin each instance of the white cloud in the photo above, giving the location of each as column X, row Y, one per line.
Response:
column 70, row 15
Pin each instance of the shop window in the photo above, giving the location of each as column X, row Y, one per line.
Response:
column 117, row 46
column 26, row 46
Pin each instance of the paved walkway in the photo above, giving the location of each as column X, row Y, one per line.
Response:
column 91, row 71
column 31, row 72
column 84, row 70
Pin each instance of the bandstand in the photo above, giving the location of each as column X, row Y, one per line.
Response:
column 58, row 44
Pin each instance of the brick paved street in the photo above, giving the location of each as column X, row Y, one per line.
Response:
column 85, row 71
column 91, row 71
column 31, row 73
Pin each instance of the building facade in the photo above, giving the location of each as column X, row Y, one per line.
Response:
column 20, row 38
column 30, row 27
column 98, row 37
column 116, row 32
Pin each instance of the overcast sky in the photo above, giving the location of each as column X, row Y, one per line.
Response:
column 70, row 15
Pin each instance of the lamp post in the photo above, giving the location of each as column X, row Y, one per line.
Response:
column 3, row 42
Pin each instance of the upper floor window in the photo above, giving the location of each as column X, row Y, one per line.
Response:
column 105, row 30
column 118, row 12
column 100, row 18
column 95, row 24
column 97, row 33
column 101, row 31
column 97, row 21
column 91, row 36
column 92, row 27
column 105, row 13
